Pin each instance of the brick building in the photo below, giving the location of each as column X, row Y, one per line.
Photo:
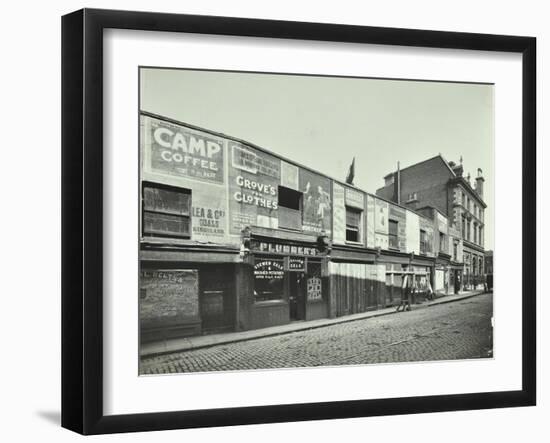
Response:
column 435, row 185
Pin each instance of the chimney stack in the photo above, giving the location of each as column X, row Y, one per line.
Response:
column 479, row 182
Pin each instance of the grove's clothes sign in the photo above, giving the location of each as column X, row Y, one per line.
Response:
column 183, row 152
column 254, row 178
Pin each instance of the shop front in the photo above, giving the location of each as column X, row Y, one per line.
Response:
column 182, row 297
column 288, row 284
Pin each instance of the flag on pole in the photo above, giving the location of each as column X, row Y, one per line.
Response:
column 351, row 172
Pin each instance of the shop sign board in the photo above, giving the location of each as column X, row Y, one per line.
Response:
column 314, row 289
column 281, row 248
column 296, row 264
column 289, row 176
column 253, row 188
column 317, row 204
column 354, row 198
column 183, row 152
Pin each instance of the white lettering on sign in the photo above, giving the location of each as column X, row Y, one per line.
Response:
column 176, row 141
column 259, row 193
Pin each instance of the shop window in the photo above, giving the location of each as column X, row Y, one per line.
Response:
column 166, row 211
column 290, row 208
column 423, row 242
column 268, row 280
column 353, row 224
column 393, row 227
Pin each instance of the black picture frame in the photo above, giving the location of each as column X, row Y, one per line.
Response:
column 82, row 215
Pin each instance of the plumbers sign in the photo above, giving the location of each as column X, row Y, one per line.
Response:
column 183, row 152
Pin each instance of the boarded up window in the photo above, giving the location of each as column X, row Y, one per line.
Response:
column 166, row 211
column 290, row 208
column 353, row 224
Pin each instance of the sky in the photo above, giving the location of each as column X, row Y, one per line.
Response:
column 323, row 122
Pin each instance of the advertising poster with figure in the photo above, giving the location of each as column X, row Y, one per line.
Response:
column 317, row 203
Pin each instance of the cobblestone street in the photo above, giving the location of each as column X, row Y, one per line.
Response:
column 457, row 330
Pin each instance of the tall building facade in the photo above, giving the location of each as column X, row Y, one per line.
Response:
column 438, row 185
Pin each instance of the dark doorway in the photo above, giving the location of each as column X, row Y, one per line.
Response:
column 297, row 299
column 217, row 300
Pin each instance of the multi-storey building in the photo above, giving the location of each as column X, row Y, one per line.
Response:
column 235, row 237
column 442, row 187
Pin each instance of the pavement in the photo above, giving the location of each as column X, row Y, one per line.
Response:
column 205, row 341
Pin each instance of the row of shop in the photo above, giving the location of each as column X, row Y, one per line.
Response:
column 233, row 238
column 235, row 291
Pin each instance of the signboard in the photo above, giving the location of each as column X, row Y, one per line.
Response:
column 253, row 161
column 317, row 204
column 289, row 176
column 381, row 209
column 268, row 270
column 339, row 214
column 167, row 297
column 354, row 198
column 412, row 232
column 370, row 222
column 253, row 188
column 280, row 248
column 296, row 264
column 209, row 215
column 314, row 289
column 183, row 152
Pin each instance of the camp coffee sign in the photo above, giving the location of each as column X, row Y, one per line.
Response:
column 184, row 152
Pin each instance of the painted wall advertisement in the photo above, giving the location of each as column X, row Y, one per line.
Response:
column 370, row 221
column 183, row 152
column 254, row 179
column 209, row 221
column 381, row 212
column 339, row 214
column 168, row 297
column 289, row 176
column 317, row 204
column 381, row 209
column 413, row 232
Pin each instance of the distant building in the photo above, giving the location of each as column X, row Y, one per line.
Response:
column 440, row 186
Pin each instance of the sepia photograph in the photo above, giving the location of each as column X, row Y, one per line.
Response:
column 298, row 220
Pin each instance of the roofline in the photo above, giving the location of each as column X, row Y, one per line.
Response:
column 424, row 161
column 266, row 151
